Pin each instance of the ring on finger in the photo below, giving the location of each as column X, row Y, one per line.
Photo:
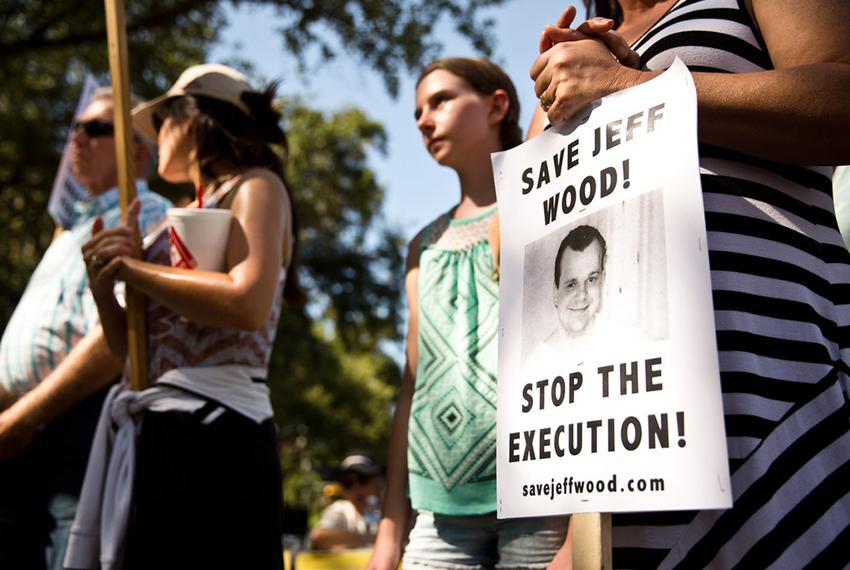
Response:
column 545, row 103
column 96, row 264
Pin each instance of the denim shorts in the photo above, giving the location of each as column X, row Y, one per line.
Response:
column 482, row 542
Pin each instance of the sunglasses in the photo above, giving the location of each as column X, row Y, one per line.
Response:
column 95, row 128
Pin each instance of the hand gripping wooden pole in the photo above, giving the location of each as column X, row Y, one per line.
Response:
column 116, row 34
column 591, row 541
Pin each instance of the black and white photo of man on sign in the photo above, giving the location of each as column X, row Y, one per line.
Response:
column 579, row 277
column 598, row 283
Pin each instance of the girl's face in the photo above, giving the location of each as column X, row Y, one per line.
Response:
column 175, row 146
column 456, row 121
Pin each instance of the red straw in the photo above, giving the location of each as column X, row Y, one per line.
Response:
column 200, row 195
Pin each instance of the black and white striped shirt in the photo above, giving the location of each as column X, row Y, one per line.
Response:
column 781, row 287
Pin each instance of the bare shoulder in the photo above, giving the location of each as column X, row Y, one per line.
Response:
column 263, row 179
column 411, row 286
column 259, row 188
column 413, row 251
column 799, row 34
column 414, row 248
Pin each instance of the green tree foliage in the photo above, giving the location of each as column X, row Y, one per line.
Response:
column 332, row 383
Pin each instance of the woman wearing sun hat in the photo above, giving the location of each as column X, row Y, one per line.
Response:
column 207, row 477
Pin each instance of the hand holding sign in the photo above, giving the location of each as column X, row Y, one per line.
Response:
column 601, row 29
column 571, row 74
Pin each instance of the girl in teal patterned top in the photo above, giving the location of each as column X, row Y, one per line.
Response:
column 443, row 445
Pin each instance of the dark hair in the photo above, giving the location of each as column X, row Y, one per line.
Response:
column 578, row 240
column 485, row 77
column 225, row 136
column 605, row 9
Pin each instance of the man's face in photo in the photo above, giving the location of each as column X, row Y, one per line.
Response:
column 579, row 291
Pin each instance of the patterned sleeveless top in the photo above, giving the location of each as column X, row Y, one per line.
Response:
column 452, row 431
column 781, row 288
column 176, row 342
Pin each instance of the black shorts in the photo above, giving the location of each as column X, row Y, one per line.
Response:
column 205, row 495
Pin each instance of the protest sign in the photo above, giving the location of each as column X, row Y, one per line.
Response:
column 609, row 391
column 67, row 190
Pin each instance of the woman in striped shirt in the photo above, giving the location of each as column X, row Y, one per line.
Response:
column 773, row 89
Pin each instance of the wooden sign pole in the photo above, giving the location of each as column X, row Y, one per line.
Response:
column 591, row 541
column 116, row 34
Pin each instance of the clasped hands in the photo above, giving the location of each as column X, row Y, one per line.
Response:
column 577, row 66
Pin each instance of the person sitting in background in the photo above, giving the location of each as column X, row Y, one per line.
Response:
column 345, row 522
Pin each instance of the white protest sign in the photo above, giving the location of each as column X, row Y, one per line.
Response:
column 66, row 189
column 609, row 388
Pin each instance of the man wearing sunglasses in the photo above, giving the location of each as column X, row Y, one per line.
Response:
column 55, row 365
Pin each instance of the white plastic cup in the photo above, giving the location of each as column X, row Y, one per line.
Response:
column 198, row 237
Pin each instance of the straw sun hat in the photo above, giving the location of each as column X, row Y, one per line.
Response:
column 209, row 80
